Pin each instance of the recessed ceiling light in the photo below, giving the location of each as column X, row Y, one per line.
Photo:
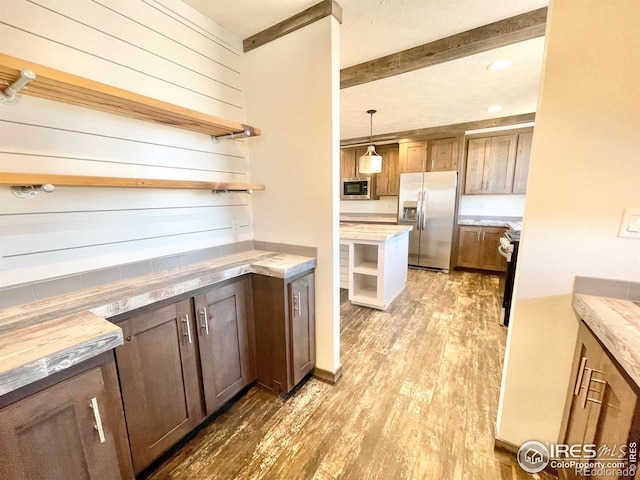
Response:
column 494, row 108
column 500, row 65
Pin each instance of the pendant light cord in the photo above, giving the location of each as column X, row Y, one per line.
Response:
column 371, row 112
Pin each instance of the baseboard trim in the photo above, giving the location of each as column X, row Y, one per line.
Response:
column 513, row 448
column 327, row 376
column 507, row 446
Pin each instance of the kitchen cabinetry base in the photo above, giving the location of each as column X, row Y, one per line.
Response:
column 284, row 312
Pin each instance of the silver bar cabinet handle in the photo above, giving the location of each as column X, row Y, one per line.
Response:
column 96, row 415
column 578, row 386
column 205, row 320
column 296, row 304
column 185, row 321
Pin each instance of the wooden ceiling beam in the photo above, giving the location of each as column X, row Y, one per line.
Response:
column 444, row 131
column 498, row 34
column 291, row 24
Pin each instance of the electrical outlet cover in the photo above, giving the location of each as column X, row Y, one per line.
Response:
column 630, row 224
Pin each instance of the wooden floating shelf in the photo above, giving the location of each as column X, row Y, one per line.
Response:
column 64, row 87
column 21, row 179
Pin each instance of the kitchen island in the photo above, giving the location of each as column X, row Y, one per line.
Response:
column 377, row 262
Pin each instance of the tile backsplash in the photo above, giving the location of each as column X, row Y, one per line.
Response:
column 21, row 294
column 603, row 287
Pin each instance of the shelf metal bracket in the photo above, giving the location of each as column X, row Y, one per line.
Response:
column 246, row 132
column 30, row 191
column 218, row 192
column 10, row 94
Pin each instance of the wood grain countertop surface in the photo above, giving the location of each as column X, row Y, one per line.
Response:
column 387, row 218
column 371, row 231
column 513, row 223
column 616, row 323
column 40, row 338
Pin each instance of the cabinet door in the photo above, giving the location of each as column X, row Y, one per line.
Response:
column 478, row 152
column 617, row 423
column 302, row 326
column 388, row 180
column 603, row 408
column 54, row 434
column 498, row 174
column 522, row 163
column 443, row 154
column 588, row 357
column 468, row 247
column 489, row 258
column 223, row 339
column 413, row 157
column 347, row 163
column 159, row 380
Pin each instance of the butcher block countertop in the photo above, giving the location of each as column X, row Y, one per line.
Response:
column 43, row 337
column 616, row 323
column 372, row 232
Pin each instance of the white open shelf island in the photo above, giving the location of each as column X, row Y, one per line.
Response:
column 377, row 266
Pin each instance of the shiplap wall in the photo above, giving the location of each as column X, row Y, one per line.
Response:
column 158, row 48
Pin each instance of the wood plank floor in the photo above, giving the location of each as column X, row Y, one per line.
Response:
column 417, row 400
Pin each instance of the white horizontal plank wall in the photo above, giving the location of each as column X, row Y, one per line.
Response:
column 159, row 48
column 344, row 265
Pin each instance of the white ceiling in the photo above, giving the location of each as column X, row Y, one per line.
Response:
column 453, row 92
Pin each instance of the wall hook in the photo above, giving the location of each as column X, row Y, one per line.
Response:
column 10, row 94
column 30, row 191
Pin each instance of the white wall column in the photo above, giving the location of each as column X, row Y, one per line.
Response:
column 585, row 169
column 293, row 93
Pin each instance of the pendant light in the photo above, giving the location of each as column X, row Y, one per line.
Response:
column 370, row 162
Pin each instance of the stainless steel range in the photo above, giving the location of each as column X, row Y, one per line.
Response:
column 508, row 248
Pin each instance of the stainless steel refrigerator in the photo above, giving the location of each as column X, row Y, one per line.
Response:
column 428, row 201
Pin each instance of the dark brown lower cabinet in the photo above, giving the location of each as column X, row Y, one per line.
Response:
column 225, row 339
column 603, row 409
column 158, row 368
column 285, row 330
column 72, row 430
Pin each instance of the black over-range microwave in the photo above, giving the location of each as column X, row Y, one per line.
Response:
column 360, row 188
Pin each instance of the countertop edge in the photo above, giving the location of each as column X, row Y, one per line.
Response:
column 603, row 315
column 372, row 232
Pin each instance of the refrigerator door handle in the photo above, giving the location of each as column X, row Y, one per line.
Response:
column 424, row 210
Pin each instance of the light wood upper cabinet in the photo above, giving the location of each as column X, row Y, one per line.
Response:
column 443, row 155
column 347, row 163
column 388, row 180
column 413, row 157
column 498, row 164
column 349, row 159
column 522, row 163
column 491, row 164
column 429, row 155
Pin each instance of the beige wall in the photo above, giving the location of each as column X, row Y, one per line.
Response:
column 292, row 89
column 585, row 169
